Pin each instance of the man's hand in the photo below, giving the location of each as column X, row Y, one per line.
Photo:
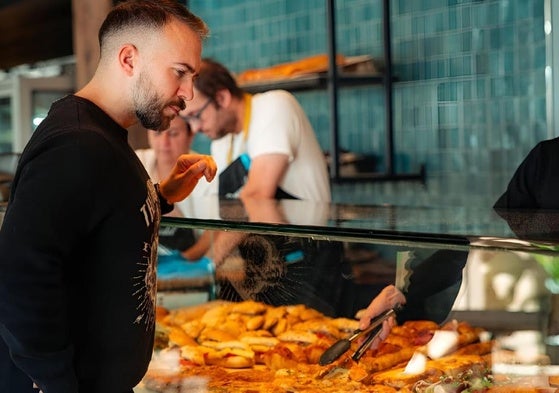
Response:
column 389, row 297
column 185, row 175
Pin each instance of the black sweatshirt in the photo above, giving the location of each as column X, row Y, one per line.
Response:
column 535, row 184
column 77, row 259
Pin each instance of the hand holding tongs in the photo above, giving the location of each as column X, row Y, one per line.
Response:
column 341, row 346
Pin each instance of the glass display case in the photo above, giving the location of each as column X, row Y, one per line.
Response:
column 494, row 270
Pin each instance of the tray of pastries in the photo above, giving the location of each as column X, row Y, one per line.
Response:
column 250, row 346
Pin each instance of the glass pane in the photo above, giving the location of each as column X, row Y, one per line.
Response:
column 6, row 125
column 477, row 320
column 458, row 228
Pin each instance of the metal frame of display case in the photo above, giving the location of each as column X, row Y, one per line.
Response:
column 333, row 80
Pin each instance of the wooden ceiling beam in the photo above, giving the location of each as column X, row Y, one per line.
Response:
column 35, row 30
column 88, row 15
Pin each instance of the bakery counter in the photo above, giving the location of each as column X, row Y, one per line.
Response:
column 286, row 279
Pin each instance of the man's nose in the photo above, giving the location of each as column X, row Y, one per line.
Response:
column 165, row 139
column 186, row 90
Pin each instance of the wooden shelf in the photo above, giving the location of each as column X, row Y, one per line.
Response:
column 305, row 82
column 313, row 82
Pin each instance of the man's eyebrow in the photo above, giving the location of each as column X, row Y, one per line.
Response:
column 188, row 67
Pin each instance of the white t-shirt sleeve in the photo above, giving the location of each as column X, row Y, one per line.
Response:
column 274, row 126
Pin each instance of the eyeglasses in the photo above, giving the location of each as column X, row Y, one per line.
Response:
column 194, row 120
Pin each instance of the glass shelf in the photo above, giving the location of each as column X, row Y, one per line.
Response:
column 458, row 228
column 313, row 81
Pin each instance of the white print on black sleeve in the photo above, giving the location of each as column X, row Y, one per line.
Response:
column 145, row 283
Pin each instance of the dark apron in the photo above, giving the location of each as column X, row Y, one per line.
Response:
column 234, row 177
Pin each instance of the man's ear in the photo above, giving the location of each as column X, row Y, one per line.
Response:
column 127, row 58
column 223, row 98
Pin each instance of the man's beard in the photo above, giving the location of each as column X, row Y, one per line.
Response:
column 226, row 124
column 149, row 107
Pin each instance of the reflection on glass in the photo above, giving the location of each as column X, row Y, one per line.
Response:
column 491, row 301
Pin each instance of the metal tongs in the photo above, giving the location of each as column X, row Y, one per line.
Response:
column 373, row 331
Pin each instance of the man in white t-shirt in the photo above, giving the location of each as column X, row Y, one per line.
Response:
column 265, row 148
column 270, row 131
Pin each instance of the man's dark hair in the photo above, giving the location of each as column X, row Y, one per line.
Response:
column 214, row 77
column 150, row 14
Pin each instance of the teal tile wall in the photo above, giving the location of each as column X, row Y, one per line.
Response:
column 468, row 105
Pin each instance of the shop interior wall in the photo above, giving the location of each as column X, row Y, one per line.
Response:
column 470, row 98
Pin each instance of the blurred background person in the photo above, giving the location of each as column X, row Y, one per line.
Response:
column 263, row 144
column 165, row 147
column 535, row 183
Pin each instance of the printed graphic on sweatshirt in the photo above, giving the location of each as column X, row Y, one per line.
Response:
column 145, row 283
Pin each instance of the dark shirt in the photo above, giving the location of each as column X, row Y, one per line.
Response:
column 535, row 184
column 78, row 246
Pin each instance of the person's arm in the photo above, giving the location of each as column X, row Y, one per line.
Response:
column 263, row 210
column 166, row 207
column 389, row 297
column 223, row 246
column 265, row 175
column 200, row 248
column 185, row 175
column 520, row 190
column 425, row 288
column 272, row 143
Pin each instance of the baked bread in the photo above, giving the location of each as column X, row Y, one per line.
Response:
column 307, row 65
column 251, row 346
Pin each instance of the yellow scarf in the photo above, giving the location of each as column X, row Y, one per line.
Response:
column 246, row 120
